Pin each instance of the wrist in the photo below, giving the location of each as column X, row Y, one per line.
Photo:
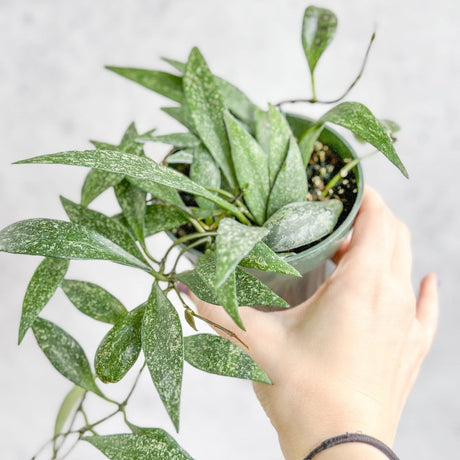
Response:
column 350, row 451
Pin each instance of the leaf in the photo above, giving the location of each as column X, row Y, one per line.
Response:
column 163, row 347
column 154, row 444
column 106, row 226
column 182, row 115
column 94, row 301
column 120, row 348
column 179, row 140
column 290, row 183
column 55, row 238
column 181, row 157
column 206, row 108
column 163, row 83
column 262, row 129
column 216, row 355
column 41, row 288
column 204, row 171
column 280, row 136
column 263, row 258
column 178, row 65
column 138, row 167
column 251, row 168
column 318, row 29
column 97, row 182
column 161, row 192
column 390, row 126
column 233, row 242
column 71, row 401
column 132, row 202
column 301, row 223
column 307, row 141
column 65, row 354
column 359, row 120
column 160, row 217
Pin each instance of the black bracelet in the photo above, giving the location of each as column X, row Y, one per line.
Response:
column 353, row 437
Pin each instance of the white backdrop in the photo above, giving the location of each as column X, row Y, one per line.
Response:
column 55, row 95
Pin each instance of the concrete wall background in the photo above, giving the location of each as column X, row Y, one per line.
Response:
column 55, row 95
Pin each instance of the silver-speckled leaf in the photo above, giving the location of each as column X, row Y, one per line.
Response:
column 150, row 444
column 263, row 258
column 290, row 183
column 68, row 407
column 262, row 129
column 163, row 347
column 65, row 354
column 204, row 171
column 132, row 201
column 298, row 224
column 160, row 192
column 181, row 157
column 106, row 226
column 182, row 115
column 318, row 29
column 307, row 141
column 206, row 108
column 97, row 182
column 216, row 355
column 55, row 238
column 161, row 217
column 163, row 83
column 179, row 140
column 280, row 135
column 94, row 301
column 251, row 167
column 233, row 242
column 42, row 286
column 120, row 348
column 138, row 167
column 178, row 65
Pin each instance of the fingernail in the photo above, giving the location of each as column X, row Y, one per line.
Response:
column 183, row 288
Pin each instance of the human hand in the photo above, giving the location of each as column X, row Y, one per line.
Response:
column 346, row 359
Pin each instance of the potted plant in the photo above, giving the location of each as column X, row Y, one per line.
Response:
column 254, row 197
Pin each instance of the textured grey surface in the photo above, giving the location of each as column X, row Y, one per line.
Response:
column 55, row 95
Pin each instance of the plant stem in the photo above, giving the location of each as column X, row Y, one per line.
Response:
column 186, row 249
column 313, row 88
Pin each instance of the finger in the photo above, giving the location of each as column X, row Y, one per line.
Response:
column 372, row 242
column 342, row 249
column 428, row 305
column 401, row 263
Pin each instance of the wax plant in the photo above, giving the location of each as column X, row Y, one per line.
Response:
column 232, row 190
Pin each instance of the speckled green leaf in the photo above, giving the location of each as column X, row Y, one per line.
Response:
column 55, row 238
column 204, row 171
column 262, row 129
column 106, row 226
column 263, row 258
column 280, row 135
column 216, row 355
column 178, row 65
column 290, row 183
column 161, row 192
column 163, row 83
column 206, row 108
column 70, row 403
column 160, row 217
column 163, row 347
column 300, row 223
column 182, row 115
column 97, row 182
column 318, row 29
column 225, row 294
column 42, row 286
column 65, row 354
column 181, row 157
column 120, row 348
column 179, row 140
column 360, row 121
column 141, row 168
column 251, row 167
column 233, row 242
column 307, row 141
column 132, row 202
column 94, row 301
column 150, row 444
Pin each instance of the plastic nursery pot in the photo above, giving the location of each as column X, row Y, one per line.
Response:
column 311, row 263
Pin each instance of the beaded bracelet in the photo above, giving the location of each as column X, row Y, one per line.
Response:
column 352, row 437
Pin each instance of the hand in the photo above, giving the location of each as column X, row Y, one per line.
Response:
column 346, row 359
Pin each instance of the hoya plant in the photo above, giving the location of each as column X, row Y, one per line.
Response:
column 241, row 189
